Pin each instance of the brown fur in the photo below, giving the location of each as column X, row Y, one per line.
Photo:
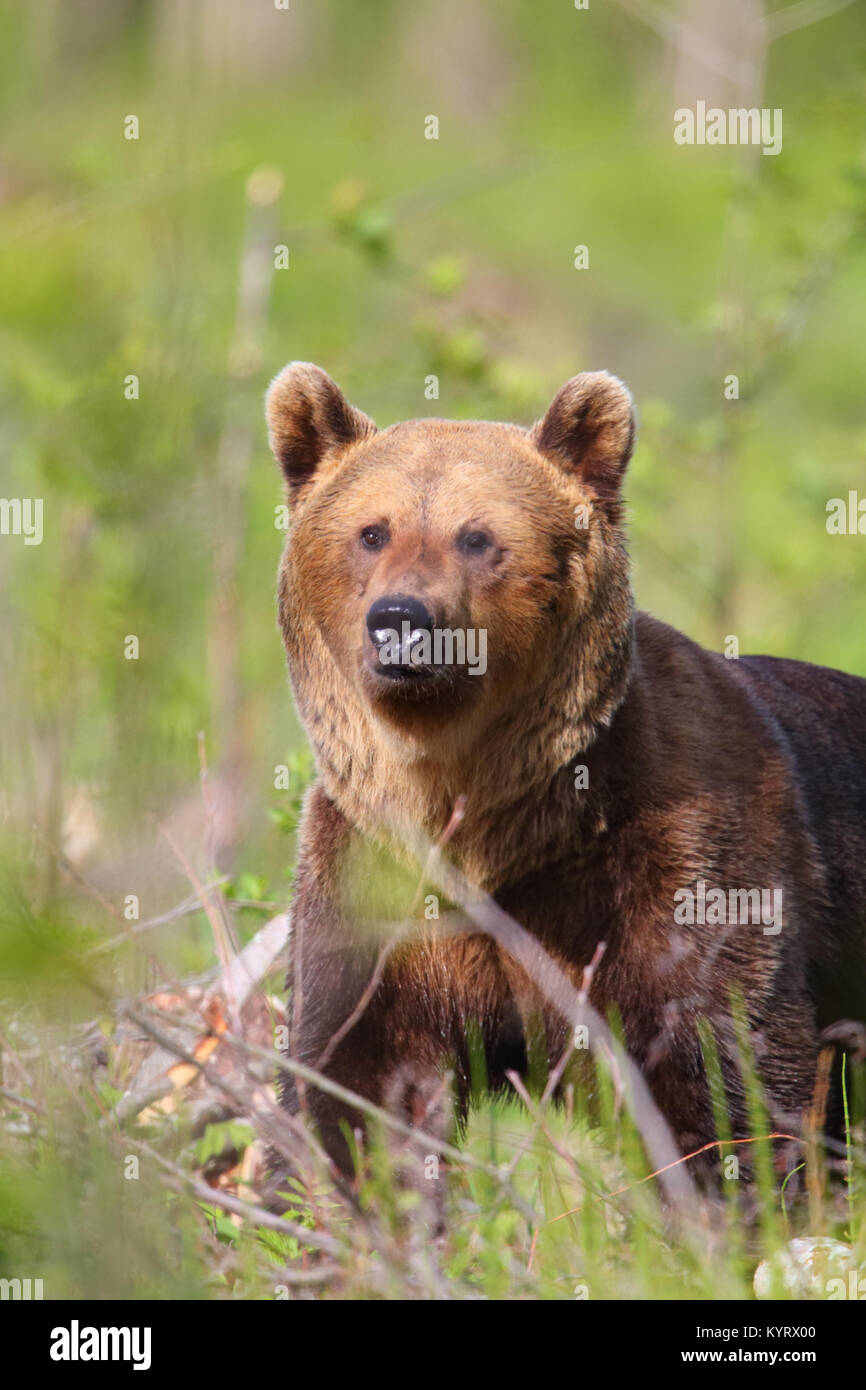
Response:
column 746, row 774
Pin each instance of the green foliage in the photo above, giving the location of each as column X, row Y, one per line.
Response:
column 286, row 814
column 408, row 258
column 230, row 1136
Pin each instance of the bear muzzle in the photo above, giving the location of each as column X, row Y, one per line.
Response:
column 400, row 628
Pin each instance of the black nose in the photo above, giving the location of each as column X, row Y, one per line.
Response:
column 390, row 613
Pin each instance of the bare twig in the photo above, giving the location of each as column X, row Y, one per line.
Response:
column 802, row 15
column 558, row 990
column 221, row 941
column 184, row 909
column 677, row 32
column 15, row 1099
column 685, row 1158
column 257, row 1216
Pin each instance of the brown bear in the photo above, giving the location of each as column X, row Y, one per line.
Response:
column 705, row 818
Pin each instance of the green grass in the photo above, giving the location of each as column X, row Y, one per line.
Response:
column 407, row 258
column 534, row 1200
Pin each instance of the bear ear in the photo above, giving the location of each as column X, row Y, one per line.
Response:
column 308, row 416
column 589, row 429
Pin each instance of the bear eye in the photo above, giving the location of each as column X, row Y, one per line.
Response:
column 374, row 537
column 474, row 542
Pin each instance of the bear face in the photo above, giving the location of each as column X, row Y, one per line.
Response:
column 437, row 573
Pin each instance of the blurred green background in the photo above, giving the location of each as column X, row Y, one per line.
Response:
column 157, row 258
column 408, row 257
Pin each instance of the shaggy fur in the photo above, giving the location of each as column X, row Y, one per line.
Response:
column 745, row 774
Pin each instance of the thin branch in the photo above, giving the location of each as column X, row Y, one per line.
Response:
column 801, row 15
column 676, row 32
column 685, row 1158
column 186, row 908
column 15, row 1099
column 555, row 986
column 257, row 1216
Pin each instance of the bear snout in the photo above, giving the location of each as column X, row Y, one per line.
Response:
column 390, row 613
column 397, row 625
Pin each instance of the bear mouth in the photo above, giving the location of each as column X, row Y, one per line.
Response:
column 398, row 662
column 405, row 684
column 408, row 678
column 417, row 664
column 406, row 673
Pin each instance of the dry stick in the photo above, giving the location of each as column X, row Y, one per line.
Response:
column 68, row 867
column 800, row 15
column 454, row 821
column 676, row 31
column 583, row 994
column 170, row 1044
column 210, row 858
column 13, row 1056
column 125, row 1109
column 15, row 1099
column 366, row 1107
column 221, row 942
column 385, row 1117
column 242, row 1099
column 373, row 984
column 265, row 1114
column 269, row 1112
column 245, row 973
column 260, row 904
column 620, row 1191
column 259, row 1216
column 559, row 991
column 183, row 909
column 379, row 968
column 685, row 1158
column 296, row 1007
column 320, row 1274
column 556, row 1074
column 815, row 1120
column 235, row 451
column 206, row 800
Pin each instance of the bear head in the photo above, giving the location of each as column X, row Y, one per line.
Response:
column 451, row 589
